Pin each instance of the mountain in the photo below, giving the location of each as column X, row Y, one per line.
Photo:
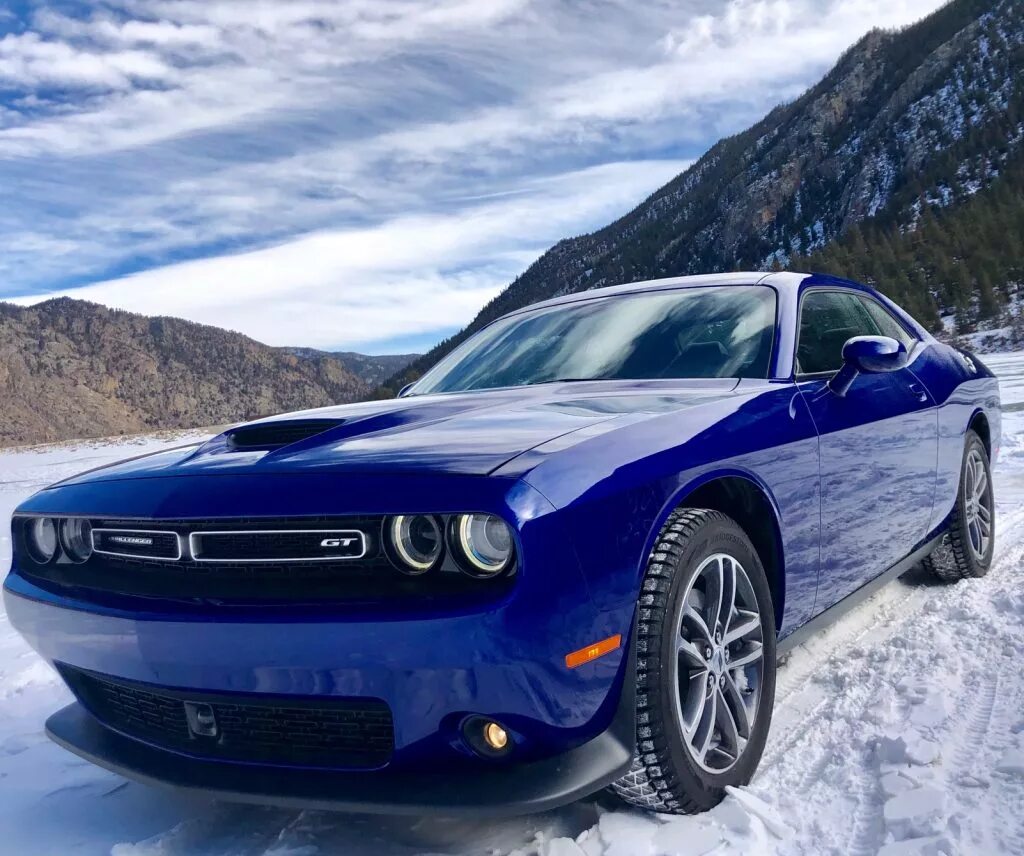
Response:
column 907, row 127
column 372, row 369
column 964, row 257
column 71, row 369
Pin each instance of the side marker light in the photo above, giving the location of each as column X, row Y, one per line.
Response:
column 592, row 652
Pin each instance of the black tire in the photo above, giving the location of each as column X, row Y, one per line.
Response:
column 665, row 776
column 956, row 558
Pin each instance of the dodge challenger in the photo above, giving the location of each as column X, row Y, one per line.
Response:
column 565, row 559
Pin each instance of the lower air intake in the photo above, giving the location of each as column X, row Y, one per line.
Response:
column 275, row 730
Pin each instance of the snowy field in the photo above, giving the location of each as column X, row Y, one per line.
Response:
column 899, row 730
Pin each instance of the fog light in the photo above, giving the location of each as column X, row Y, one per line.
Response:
column 486, row 738
column 495, row 736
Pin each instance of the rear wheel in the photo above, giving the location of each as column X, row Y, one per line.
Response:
column 705, row 665
column 967, row 548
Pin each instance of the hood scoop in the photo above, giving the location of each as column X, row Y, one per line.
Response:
column 266, row 436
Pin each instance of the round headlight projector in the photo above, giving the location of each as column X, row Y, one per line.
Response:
column 485, row 542
column 76, row 539
column 41, row 538
column 481, row 544
column 417, row 542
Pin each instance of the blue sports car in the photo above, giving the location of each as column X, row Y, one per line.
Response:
column 566, row 558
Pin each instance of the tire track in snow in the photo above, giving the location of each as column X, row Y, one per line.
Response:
column 979, row 723
column 834, row 693
column 1012, row 837
column 794, row 733
column 896, row 611
column 1007, row 715
column 806, row 659
column 792, row 719
column 866, row 829
column 815, row 771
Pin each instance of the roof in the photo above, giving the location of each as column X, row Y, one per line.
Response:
column 782, row 281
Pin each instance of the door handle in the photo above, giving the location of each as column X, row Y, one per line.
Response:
column 919, row 391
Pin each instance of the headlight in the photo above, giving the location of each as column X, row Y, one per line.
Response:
column 485, row 542
column 41, row 538
column 76, row 538
column 416, row 541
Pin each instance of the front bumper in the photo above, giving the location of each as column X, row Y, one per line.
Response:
column 495, row 791
column 433, row 663
column 574, row 729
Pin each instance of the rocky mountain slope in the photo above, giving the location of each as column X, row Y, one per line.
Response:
column 71, row 369
column 372, row 369
column 906, row 121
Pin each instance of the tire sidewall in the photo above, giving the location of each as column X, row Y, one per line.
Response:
column 718, row 535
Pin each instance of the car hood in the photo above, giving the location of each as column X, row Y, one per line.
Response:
column 463, row 433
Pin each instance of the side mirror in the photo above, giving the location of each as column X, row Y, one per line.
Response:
column 405, row 389
column 870, row 355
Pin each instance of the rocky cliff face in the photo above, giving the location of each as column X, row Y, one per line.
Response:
column 71, row 369
column 372, row 369
column 920, row 117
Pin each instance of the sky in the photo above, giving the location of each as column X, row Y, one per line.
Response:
column 364, row 174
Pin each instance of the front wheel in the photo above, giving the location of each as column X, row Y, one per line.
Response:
column 705, row 666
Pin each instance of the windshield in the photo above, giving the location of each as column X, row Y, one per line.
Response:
column 686, row 333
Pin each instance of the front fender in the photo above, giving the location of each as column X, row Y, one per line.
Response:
column 616, row 490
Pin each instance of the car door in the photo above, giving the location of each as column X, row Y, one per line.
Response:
column 877, row 444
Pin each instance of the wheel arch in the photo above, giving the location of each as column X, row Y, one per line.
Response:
column 979, row 425
column 748, row 501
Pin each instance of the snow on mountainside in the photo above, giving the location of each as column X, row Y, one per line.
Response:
column 899, row 730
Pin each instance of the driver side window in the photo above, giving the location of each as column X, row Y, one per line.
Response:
column 827, row 320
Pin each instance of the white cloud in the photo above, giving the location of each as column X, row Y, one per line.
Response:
column 29, row 61
column 408, row 275
column 252, row 132
column 110, row 31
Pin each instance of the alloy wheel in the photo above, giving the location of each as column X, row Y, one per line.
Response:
column 977, row 504
column 720, row 664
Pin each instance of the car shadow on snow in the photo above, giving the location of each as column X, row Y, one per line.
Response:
column 920, row 577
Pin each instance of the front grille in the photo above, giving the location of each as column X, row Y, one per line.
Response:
column 280, row 545
column 276, row 730
column 255, row 561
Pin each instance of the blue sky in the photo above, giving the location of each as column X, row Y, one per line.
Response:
column 366, row 174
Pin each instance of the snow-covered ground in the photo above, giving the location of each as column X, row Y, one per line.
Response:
column 899, row 730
